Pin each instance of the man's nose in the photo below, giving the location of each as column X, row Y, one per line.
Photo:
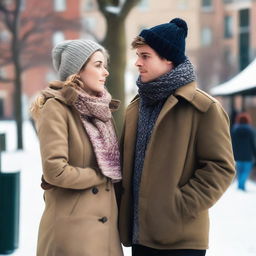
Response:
column 137, row 62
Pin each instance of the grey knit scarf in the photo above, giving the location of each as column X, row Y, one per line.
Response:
column 152, row 98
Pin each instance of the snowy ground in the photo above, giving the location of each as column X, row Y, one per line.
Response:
column 233, row 218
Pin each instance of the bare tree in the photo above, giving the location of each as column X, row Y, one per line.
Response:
column 28, row 44
column 115, row 13
column 11, row 19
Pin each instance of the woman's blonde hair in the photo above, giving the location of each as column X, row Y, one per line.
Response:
column 73, row 81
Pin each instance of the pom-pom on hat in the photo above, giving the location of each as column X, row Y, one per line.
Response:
column 69, row 56
column 168, row 39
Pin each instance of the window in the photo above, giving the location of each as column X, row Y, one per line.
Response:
column 23, row 5
column 4, row 36
column 244, row 38
column 1, row 108
column 3, row 73
column 57, row 37
column 60, row 5
column 7, row 2
column 228, row 27
column 207, row 5
column 89, row 5
column 228, row 57
column 143, row 5
column 206, row 36
column 227, row 1
column 89, row 23
column 183, row 4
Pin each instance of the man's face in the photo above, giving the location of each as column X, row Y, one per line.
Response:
column 150, row 65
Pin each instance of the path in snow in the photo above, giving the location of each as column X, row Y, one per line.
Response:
column 233, row 218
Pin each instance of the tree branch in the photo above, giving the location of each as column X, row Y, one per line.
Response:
column 5, row 62
column 6, row 18
column 128, row 5
column 102, row 4
column 6, row 80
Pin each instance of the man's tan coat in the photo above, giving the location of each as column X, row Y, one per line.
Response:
column 187, row 167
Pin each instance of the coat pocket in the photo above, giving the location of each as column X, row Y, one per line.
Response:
column 164, row 220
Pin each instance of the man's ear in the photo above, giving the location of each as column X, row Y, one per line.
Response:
column 170, row 63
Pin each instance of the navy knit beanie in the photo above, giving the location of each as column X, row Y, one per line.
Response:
column 168, row 39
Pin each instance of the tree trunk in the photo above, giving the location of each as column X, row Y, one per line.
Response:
column 17, row 75
column 18, row 102
column 115, row 43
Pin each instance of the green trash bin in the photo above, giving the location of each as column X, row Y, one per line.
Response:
column 2, row 142
column 9, row 206
column 9, row 211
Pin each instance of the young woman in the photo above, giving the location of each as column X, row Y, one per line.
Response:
column 80, row 155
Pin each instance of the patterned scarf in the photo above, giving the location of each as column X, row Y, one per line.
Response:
column 152, row 98
column 96, row 117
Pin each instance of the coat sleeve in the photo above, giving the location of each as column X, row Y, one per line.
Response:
column 215, row 162
column 53, row 136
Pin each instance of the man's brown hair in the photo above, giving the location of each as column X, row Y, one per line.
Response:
column 137, row 42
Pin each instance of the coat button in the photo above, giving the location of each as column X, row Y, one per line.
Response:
column 95, row 190
column 103, row 219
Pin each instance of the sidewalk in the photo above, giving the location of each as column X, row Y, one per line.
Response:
column 233, row 218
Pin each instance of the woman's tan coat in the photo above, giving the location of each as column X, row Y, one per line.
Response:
column 80, row 216
column 188, row 165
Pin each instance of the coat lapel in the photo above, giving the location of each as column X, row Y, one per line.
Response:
column 132, row 115
column 187, row 92
column 130, row 133
column 168, row 105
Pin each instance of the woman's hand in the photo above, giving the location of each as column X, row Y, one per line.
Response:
column 45, row 185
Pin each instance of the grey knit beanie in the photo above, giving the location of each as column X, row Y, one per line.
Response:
column 69, row 56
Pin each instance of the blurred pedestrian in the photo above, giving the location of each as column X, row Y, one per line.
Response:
column 177, row 154
column 80, row 155
column 243, row 140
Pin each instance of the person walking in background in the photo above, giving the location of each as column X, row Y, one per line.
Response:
column 243, row 140
column 176, row 151
column 80, row 155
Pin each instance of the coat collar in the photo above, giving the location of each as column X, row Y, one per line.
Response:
column 187, row 91
column 199, row 99
column 68, row 94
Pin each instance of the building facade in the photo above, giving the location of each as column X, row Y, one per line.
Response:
column 40, row 29
column 221, row 39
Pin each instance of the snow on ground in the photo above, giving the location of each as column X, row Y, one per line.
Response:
column 233, row 218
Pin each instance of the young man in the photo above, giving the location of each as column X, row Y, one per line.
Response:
column 177, row 156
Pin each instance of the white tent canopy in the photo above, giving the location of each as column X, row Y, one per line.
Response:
column 244, row 81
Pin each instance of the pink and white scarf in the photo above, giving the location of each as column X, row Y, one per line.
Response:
column 96, row 117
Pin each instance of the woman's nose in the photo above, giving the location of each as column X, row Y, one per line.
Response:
column 106, row 73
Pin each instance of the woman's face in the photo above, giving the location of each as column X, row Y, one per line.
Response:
column 94, row 74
